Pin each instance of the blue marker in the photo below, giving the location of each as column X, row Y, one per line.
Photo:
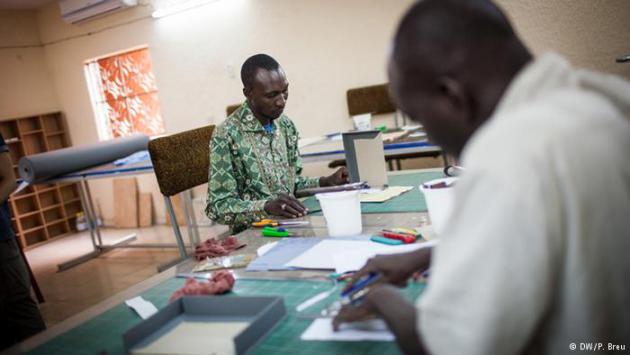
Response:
column 359, row 286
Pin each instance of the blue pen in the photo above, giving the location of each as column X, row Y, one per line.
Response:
column 370, row 279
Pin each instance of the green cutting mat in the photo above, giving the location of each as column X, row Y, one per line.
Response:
column 410, row 201
column 103, row 334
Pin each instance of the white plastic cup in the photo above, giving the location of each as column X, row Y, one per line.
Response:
column 342, row 211
column 439, row 202
column 363, row 122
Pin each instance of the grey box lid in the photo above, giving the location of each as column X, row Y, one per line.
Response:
column 264, row 312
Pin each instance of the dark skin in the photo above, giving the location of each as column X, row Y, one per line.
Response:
column 451, row 101
column 267, row 97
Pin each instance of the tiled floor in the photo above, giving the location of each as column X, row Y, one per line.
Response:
column 71, row 291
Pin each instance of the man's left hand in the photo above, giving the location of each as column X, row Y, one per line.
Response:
column 339, row 177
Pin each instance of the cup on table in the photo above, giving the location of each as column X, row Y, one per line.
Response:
column 342, row 211
column 363, row 122
column 439, row 194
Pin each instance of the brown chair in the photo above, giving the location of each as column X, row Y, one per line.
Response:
column 231, row 108
column 369, row 99
column 181, row 162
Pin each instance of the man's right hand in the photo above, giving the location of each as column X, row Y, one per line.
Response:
column 395, row 269
column 285, row 206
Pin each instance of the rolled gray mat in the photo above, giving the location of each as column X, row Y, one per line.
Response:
column 43, row 166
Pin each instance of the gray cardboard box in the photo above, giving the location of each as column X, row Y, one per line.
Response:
column 262, row 314
column 351, row 155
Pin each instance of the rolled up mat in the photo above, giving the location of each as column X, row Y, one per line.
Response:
column 43, row 166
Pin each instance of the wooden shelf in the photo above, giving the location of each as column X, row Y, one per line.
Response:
column 48, row 210
column 60, row 220
column 36, row 131
column 52, row 207
column 20, row 197
column 31, row 230
column 28, row 214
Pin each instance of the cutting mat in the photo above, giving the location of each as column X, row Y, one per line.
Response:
column 410, row 201
column 103, row 334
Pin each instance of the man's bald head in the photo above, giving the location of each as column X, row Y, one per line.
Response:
column 450, row 63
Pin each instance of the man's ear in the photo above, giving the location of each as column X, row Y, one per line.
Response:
column 247, row 91
column 456, row 97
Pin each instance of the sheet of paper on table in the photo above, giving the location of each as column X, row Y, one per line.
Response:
column 358, row 250
column 319, row 256
column 392, row 136
column 144, row 308
column 374, row 330
column 281, row 253
column 353, row 260
column 385, row 194
column 303, row 142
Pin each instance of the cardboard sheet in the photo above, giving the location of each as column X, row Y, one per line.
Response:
column 385, row 194
column 370, row 158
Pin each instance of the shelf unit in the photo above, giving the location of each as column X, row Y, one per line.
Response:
column 40, row 212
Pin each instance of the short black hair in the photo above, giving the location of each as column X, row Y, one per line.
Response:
column 255, row 62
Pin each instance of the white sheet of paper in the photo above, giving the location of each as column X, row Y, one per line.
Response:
column 353, row 260
column 384, row 195
column 144, row 308
column 321, row 329
column 265, row 248
column 319, row 256
column 196, row 338
column 303, row 142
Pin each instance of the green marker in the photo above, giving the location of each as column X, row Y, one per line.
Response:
column 273, row 232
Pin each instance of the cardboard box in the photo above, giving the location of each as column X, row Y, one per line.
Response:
column 237, row 323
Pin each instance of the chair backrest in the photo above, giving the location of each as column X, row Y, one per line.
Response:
column 231, row 108
column 369, row 99
column 181, row 160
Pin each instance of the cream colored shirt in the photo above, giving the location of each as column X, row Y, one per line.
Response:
column 537, row 253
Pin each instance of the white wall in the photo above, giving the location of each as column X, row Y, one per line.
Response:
column 591, row 34
column 25, row 85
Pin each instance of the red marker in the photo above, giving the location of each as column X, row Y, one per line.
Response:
column 405, row 238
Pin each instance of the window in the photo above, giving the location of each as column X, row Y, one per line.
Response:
column 124, row 94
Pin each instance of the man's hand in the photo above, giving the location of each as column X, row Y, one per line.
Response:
column 285, row 206
column 367, row 309
column 395, row 269
column 386, row 302
column 339, row 177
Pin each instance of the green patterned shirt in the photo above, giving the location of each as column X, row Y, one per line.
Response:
column 249, row 167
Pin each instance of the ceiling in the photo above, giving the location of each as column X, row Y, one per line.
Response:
column 22, row 4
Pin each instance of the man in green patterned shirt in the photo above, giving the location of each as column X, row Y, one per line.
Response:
column 255, row 165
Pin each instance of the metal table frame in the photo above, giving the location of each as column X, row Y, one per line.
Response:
column 111, row 171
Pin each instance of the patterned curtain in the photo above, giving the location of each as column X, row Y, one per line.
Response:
column 129, row 92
